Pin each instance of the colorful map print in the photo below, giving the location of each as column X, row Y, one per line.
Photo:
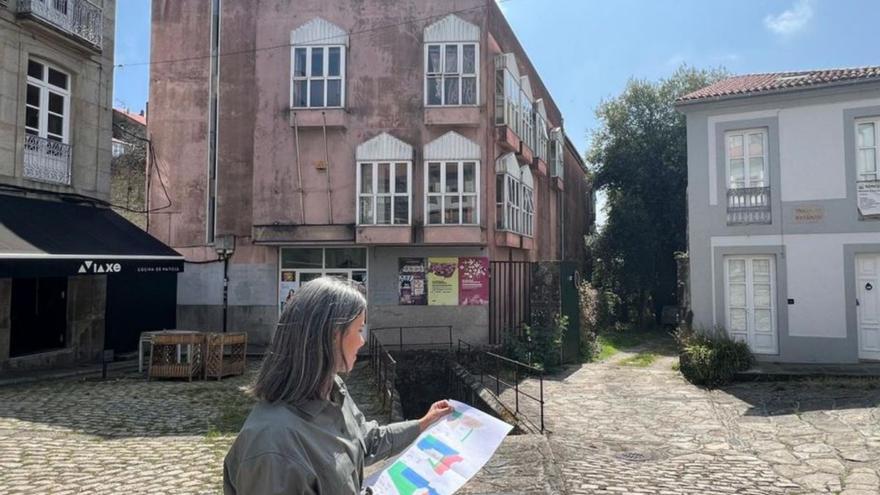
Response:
column 408, row 482
column 440, row 455
column 466, row 423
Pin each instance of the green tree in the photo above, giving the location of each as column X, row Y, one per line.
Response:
column 639, row 158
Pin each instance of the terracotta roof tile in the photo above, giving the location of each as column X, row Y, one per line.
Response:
column 140, row 119
column 764, row 83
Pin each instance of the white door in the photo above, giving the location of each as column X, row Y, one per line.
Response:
column 868, row 300
column 750, row 302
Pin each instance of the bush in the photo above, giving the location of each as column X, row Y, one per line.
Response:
column 589, row 315
column 711, row 360
column 540, row 345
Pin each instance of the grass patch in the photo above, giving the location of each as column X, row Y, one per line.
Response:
column 617, row 339
column 640, row 360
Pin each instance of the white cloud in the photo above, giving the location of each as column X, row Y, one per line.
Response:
column 792, row 20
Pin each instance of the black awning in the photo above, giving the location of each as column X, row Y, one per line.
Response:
column 55, row 238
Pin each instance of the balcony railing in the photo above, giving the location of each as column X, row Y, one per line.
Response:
column 79, row 18
column 748, row 205
column 47, row 160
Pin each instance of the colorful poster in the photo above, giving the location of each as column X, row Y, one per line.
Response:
column 473, row 281
column 287, row 288
column 445, row 456
column 411, row 282
column 442, row 281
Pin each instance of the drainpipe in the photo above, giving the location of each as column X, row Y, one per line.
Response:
column 327, row 161
column 225, row 289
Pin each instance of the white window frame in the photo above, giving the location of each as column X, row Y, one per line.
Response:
column 528, row 210
column 517, row 205
column 323, row 270
column 750, row 331
column 744, row 134
column 459, row 74
column 460, row 194
column 374, row 167
column 557, row 153
column 308, row 78
column 862, row 176
column 45, row 88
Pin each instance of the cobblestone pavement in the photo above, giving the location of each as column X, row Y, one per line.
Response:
column 624, row 429
column 612, row 429
column 127, row 435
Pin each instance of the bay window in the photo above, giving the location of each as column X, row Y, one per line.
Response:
column 451, row 74
column 514, row 196
column 384, row 190
column 452, row 192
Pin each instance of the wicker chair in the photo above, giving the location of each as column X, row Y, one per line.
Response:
column 225, row 354
column 164, row 362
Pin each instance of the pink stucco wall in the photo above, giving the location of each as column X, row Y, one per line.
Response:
column 259, row 158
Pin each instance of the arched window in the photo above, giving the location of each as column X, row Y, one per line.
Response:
column 452, row 63
column 452, row 181
column 384, row 181
column 317, row 59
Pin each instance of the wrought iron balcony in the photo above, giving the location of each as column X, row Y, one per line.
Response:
column 748, row 205
column 79, row 18
column 47, row 160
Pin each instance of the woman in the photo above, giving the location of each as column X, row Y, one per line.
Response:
column 306, row 435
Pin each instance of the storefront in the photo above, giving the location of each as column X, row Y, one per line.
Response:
column 76, row 280
column 299, row 265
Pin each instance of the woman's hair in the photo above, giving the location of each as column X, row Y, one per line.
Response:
column 303, row 357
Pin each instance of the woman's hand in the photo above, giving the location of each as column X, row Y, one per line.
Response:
column 438, row 410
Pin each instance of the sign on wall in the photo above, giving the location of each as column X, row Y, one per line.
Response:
column 868, row 193
column 411, row 282
column 287, row 288
column 473, row 276
column 442, row 281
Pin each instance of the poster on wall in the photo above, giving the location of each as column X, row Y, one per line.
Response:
column 287, row 288
column 442, row 281
column 869, row 198
column 411, row 282
column 473, row 281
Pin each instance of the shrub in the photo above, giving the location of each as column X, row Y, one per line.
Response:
column 540, row 345
column 589, row 315
column 712, row 359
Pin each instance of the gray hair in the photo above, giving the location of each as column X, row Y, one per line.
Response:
column 304, row 356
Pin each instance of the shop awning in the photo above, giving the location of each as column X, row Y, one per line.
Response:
column 40, row 238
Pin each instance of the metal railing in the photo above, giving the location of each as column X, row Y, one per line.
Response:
column 47, row 160
column 493, row 373
column 384, row 369
column 748, row 205
column 403, row 332
column 80, row 18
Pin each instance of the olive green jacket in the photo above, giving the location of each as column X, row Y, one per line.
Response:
column 319, row 447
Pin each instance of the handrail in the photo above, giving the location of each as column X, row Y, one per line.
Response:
column 385, row 373
column 517, row 365
column 400, row 340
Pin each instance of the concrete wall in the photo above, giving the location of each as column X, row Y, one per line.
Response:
column 90, row 101
column 469, row 323
column 810, row 166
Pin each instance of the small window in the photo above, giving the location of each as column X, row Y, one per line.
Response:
column 867, row 149
column 451, row 74
column 746, row 159
column 318, row 77
column 47, row 104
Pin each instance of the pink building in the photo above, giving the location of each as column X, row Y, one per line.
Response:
column 348, row 137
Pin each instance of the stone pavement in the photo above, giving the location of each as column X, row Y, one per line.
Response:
column 624, row 429
column 612, row 429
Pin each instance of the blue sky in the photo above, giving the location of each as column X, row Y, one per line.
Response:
column 586, row 50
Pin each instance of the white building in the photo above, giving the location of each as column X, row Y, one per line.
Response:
column 784, row 212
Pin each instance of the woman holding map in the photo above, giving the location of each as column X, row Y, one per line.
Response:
column 305, row 435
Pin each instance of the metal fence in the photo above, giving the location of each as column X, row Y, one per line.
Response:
column 47, row 160
column 509, row 298
column 384, row 369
